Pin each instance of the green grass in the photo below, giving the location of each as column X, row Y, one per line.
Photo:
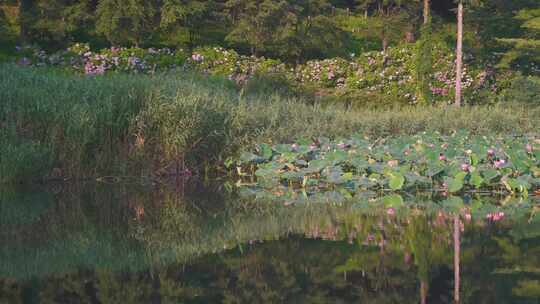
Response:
column 55, row 124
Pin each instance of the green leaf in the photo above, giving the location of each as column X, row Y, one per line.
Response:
column 474, row 159
column 490, row 174
column 453, row 204
column 456, row 184
column 476, row 180
column 394, row 201
column 396, row 181
column 434, row 170
column 347, row 176
column 265, row 151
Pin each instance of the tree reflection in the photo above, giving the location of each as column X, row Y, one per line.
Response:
column 221, row 248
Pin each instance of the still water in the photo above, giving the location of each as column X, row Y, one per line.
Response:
column 213, row 244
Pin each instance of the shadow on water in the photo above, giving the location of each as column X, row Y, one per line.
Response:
column 191, row 243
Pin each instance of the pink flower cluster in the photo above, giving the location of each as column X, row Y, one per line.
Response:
column 93, row 69
column 197, row 57
column 495, row 216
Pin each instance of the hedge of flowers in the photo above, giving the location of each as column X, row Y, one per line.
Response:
column 384, row 73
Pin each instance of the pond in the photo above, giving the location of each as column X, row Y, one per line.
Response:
column 195, row 243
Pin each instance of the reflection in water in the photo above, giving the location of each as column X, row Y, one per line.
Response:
column 123, row 244
column 457, row 254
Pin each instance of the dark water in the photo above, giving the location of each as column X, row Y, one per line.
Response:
column 131, row 244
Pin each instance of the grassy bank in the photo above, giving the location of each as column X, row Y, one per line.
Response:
column 59, row 125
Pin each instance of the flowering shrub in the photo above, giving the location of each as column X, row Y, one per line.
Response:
column 328, row 73
column 80, row 58
column 228, row 63
column 388, row 75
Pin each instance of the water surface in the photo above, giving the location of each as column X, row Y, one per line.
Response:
column 196, row 244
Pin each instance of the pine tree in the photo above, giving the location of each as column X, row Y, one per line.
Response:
column 527, row 47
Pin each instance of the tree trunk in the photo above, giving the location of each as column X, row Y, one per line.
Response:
column 459, row 53
column 457, row 253
column 25, row 6
column 423, row 292
column 426, row 11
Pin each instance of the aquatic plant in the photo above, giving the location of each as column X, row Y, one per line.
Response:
column 451, row 164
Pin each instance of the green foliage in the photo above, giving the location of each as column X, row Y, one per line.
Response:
column 192, row 15
column 424, row 64
column 524, row 50
column 139, row 124
column 294, row 31
column 125, row 22
column 24, row 160
column 523, row 89
column 431, row 161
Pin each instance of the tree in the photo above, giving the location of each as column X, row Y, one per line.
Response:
column 424, row 57
column 309, row 31
column 391, row 18
column 26, row 8
column 254, row 22
column 125, row 21
column 190, row 15
column 527, row 47
column 459, row 47
column 459, row 52
column 294, row 30
column 52, row 22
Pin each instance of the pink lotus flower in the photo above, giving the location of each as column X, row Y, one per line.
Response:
column 465, row 167
column 529, row 148
column 491, row 152
column 442, row 157
column 294, row 147
column 341, row 145
column 393, row 163
column 391, row 211
column 495, row 216
column 499, row 163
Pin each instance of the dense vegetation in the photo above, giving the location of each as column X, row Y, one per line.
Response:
column 290, row 30
column 495, row 40
column 446, row 163
column 60, row 125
